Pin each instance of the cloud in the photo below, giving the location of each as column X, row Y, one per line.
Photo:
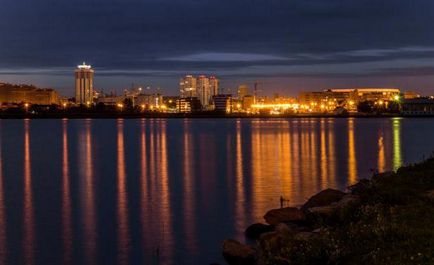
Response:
column 236, row 38
column 225, row 57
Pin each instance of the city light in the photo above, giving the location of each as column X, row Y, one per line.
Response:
column 84, row 66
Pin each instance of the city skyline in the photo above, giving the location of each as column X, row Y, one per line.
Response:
column 287, row 46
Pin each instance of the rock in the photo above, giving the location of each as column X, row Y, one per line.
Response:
column 305, row 235
column 329, row 214
column 284, row 229
column 430, row 195
column 272, row 242
column 324, row 211
column 236, row 253
column 348, row 200
column 361, row 187
column 268, row 236
column 256, row 230
column 323, row 198
column 283, row 215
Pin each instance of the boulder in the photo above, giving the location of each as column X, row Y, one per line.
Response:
column 324, row 198
column 272, row 242
column 236, row 253
column 324, row 211
column 305, row 235
column 348, row 200
column 256, row 230
column 430, row 195
column 283, row 215
column 283, row 228
column 361, row 187
column 329, row 214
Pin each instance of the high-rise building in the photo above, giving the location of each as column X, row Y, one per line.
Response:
column 214, row 85
column 204, row 91
column 84, row 84
column 187, row 86
column 243, row 90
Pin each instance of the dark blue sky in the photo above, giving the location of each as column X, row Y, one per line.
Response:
column 288, row 45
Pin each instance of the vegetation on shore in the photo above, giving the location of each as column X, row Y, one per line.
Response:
column 388, row 219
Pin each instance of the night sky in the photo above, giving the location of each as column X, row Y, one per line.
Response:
column 286, row 45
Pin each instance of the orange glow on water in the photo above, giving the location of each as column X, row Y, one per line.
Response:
column 3, row 223
column 66, row 199
column 240, row 211
column 352, row 162
column 29, row 222
column 189, row 196
column 381, row 154
column 324, row 157
column 122, row 203
column 88, row 194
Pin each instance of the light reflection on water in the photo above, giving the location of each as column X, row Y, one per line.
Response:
column 169, row 191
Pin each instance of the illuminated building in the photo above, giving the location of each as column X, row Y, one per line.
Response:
column 203, row 91
column 329, row 100
column 243, row 90
column 222, row 103
column 84, row 84
column 15, row 94
column 247, row 102
column 202, row 87
column 112, row 100
column 214, row 85
column 411, row 95
column 375, row 94
column 188, row 86
column 149, row 100
column 189, row 104
column 170, row 102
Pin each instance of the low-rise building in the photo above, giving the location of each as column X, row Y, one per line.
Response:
column 27, row 94
column 188, row 104
column 348, row 98
column 418, row 107
column 223, row 103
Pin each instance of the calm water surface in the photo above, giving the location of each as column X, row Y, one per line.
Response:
column 159, row 191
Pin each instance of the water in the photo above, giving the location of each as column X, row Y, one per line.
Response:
column 169, row 191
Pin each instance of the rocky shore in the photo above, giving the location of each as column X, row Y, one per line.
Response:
column 388, row 219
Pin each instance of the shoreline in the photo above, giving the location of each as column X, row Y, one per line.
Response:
column 386, row 219
column 193, row 116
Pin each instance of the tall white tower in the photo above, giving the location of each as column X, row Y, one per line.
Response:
column 84, row 84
